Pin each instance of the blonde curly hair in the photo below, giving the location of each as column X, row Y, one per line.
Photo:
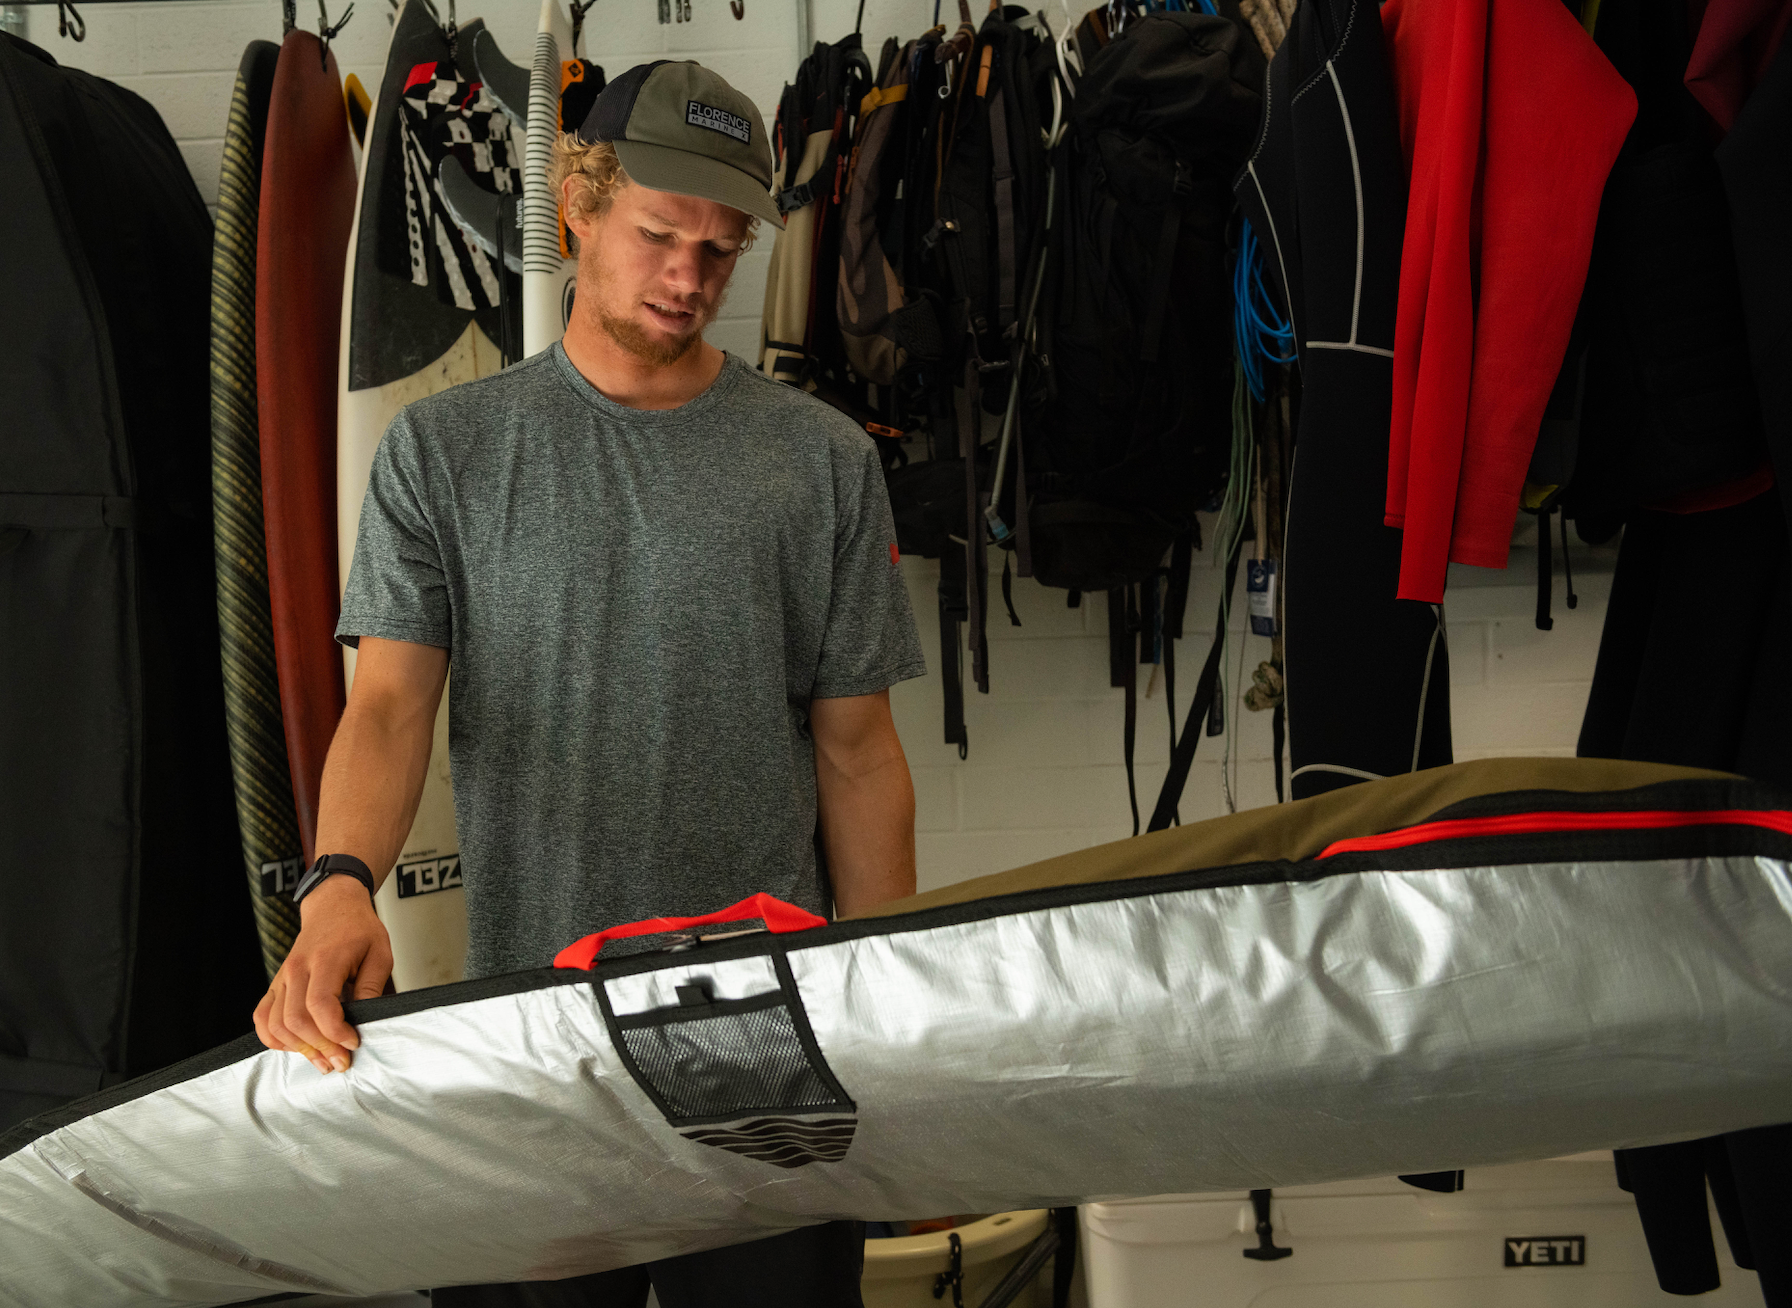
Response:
column 600, row 174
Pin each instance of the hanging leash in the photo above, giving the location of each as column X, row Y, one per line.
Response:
column 326, row 32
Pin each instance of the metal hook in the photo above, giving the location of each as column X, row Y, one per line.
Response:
column 69, row 23
column 326, row 33
column 578, row 21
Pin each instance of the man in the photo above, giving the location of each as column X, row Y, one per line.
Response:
column 668, row 588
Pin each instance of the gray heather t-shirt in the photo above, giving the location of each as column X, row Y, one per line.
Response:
column 638, row 607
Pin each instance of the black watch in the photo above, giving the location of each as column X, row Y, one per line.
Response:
column 329, row 865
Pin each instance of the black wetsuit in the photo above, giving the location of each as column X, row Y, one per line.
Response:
column 1367, row 674
column 1695, row 662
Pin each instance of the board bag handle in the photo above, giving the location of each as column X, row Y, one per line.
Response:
column 777, row 915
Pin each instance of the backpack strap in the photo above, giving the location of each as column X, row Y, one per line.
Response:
column 952, row 614
column 1278, row 731
column 975, row 560
column 1170, row 704
column 1175, row 607
column 881, row 96
column 1182, row 558
column 1126, row 650
column 1023, row 515
column 1004, row 197
column 1202, row 706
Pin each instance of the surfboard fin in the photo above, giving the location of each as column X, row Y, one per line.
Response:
column 475, row 211
column 508, row 84
column 359, row 105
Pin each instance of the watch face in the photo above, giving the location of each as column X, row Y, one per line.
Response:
column 308, row 882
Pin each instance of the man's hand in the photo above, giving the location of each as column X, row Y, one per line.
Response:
column 340, row 937
column 372, row 781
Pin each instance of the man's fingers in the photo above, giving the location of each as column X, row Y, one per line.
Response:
column 301, row 1026
column 370, row 982
column 323, row 1003
column 271, row 1023
column 260, row 1017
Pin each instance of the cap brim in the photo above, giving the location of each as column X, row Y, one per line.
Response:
column 662, row 168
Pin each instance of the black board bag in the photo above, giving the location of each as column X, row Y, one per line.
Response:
column 126, row 940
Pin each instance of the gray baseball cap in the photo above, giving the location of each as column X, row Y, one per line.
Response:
column 679, row 127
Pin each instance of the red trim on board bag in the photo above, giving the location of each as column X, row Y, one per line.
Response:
column 1520, row 824
column 777, row 915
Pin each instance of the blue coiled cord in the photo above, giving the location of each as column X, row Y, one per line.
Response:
column 1260, row 333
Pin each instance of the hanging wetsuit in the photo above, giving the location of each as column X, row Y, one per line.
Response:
column 1325, row 191
column 1670, row 417
column 1757, row 172
column 1510, row 118
column 1736, row 44
column 1695, row 663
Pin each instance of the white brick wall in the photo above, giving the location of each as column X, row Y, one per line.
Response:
column 1044, row 774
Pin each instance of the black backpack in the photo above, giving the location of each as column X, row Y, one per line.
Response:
column 823, row 102
column 1129, row 414
column 989, row 213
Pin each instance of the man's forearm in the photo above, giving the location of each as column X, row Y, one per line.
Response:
column 379, row 759
column 373, row 780
column 868, row 832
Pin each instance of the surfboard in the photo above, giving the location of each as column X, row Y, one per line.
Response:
column 548, row 270
column 401, row 341
column 307, row 194
column 266, row 817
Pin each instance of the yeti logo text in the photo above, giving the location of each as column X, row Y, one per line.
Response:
column 718, row 120
column 429, row 875
column 1547, row 1251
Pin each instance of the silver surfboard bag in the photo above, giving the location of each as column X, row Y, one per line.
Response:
column 1480, row 964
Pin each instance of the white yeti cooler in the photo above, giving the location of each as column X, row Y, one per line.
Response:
column 1530, row 1235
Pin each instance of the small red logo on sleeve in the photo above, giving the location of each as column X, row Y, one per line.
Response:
column 894, row 556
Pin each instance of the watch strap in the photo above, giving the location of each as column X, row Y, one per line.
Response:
column 329, row 865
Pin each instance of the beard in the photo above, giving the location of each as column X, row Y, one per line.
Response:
column 659, row 351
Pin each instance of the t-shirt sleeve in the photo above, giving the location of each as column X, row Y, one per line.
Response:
column 870, row 642
column 396, row 587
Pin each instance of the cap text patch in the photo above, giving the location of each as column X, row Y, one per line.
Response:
column 718, row 120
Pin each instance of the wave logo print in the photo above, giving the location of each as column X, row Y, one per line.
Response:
column 781, row 1141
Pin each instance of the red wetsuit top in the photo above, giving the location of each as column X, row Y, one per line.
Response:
column 1510, row 118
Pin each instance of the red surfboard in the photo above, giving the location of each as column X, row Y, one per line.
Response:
column 307, row 207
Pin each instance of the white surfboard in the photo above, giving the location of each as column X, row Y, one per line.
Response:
column 548, row 276
column 421, row 903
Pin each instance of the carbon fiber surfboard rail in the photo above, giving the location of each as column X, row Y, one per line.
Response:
column 1539, row 969
column 262, row 778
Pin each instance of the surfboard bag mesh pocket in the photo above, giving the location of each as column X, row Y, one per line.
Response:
column 726, row 1059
